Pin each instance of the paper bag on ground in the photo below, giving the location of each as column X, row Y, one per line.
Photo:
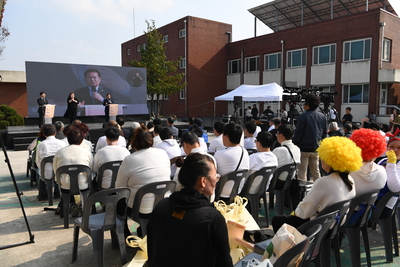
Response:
column 285, row 238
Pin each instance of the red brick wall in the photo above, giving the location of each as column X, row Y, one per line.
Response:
column 14, row 95
column 206, row 63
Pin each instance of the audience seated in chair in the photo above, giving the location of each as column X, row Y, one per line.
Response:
column 187, row 217
column 169, row 145
column 264, row 158
column 233, row 158
column 250, row 140
column 146, row 165
column 112, row 152
column 102, row 140
column 370, row 176
column 47, row 148
column 339, row 157
column 391, row 164
column 190, row 144
column 217, row 144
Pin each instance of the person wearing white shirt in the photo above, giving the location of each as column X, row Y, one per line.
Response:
column 217, row 144
column 264, row 158
column 47, row 148
column 284, row 136
column 146, row 165
column 271, row 125
column 250, row 140
column 190, row 144
column 169, row 145
column 234, row 158
column 73, row 154
column 112, row 152
column 156, row 133
column 102, row 142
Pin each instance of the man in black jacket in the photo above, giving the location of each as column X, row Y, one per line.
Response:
column 42, row 101
column 311, row 128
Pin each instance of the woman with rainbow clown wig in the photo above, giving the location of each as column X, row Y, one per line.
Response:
column 370, row 176
column 339, row 157
column 392, row 170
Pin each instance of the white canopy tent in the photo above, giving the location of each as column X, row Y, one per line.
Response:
column 265, row 92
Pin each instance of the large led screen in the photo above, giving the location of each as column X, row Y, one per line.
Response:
column 90, row 84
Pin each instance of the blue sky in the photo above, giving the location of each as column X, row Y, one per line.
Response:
column 91, row 31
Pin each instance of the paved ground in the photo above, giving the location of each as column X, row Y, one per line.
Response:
column 53, row 244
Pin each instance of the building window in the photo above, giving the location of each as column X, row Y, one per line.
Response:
column 165, row 97
column 387, row 44
column 252, row 64
column 273, row 61
column 356, row 93
column 234, row 66
column 165, row 38
column 144, row 46
column 182, row 33
column 182, row 94
column 182, row 63
column 324, row 54
column 138, row 48
column 357, row 50
column 128, row 51
column 297, row 58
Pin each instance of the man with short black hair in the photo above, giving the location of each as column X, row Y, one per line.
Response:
column 111, row 152
column 284, row 136
column 250, row 140
column 42, row 102
column 261, row 159
column 47, row 148
column 102, row 142
column 347, row 117
column 156, row 133
column 234, row 157
column 311, row 128
column 217, row 144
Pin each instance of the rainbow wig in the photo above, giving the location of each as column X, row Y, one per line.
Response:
column 340, row 153
column 372, row 143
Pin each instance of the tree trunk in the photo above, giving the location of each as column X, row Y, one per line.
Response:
column 152, row 106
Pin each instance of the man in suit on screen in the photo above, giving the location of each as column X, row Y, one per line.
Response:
column 93, row 93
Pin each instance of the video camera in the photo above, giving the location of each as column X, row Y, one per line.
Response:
column 294, row 95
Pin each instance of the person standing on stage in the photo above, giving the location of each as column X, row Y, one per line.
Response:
column 72, row 108
column 42, row 101
column 106, row 102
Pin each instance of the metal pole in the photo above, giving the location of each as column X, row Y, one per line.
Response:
column 186, row 61
column 7, row 160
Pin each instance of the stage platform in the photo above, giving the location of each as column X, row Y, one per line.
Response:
column 19, row 137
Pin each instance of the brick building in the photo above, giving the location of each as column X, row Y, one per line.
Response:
column 202, row 46
column 350, row 47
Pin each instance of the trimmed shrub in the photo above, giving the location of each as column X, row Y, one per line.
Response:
column 9, row 117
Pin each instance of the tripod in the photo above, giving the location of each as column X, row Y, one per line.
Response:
column 7, row 160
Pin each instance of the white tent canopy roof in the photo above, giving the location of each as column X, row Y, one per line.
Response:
column 265, row 92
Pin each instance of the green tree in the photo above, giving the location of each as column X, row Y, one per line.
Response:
column 9, row 117
column 162, row 78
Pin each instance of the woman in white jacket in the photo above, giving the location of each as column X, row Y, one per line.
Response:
column 339, row 157
column 370, row 176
